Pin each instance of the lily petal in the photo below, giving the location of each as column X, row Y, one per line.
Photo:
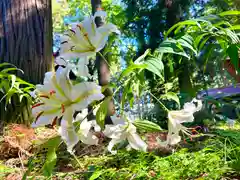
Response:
column 113, row 131
column 80, row 116
column 111, row 144
column 68, row 134
column 173, row 139
column 85, row 93
column 82, row 67
column 97, row 128
column 67, row 130
column 180, row 116
column 85, row 127
column 118, row 120
column 101, row 14
column 89, row 139
column 136, row 142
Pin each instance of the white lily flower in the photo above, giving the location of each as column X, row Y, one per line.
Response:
column 95, row 125
column 85, row 39
column 81, row 115
column 122, row 130
column 175, row 120
column 81, row 69
column 85, row 135
column 71, row 137
column 67, row 131
column 57, row 95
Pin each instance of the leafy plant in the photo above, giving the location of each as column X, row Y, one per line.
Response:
column 15, row 99
column 209, row 34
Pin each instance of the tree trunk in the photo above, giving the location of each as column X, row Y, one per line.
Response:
column 26, row 42
column 26, row 36
column 184, row 80
column 101, row 65
column 174, row 15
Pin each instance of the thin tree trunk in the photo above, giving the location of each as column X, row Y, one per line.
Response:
column 184, row 80
column 101, row 65
column 26, row 36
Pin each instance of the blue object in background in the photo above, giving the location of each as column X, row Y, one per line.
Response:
column 79, row 16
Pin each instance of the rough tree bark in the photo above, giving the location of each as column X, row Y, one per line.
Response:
column 174, row 14
column 26, row 42
column 26, row 36
column 101, row 65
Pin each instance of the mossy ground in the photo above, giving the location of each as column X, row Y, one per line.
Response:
column 215, row 157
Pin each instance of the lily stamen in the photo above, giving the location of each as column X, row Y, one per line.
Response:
column 72, row 31
column 63, row 108
column 195, row 131
column 79, row 26
column 52, row 92
column 54, row 122
column 38, row 116
column 44, row 96
column 36, row 105
column 64, row 42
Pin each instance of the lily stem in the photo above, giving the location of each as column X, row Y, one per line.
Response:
column 160, row 103
column 75, row 157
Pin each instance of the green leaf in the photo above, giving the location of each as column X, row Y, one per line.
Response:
column 22, row 96
column 28, row 89
column 7, row 64
column 13, row 80
column 55, row 6
column 171, row 96
column 126, row 89
column 170, row 46
column 182, row 24
column 130, row 69
column 50, row 162
column 12, row 69
column 142, row 57
column 233, row 54
column 147, row 125
column 203, row 42
column 9, row 96
column 234, row 37
column 30, row 167
column 96, row 175
column 155, row 65
column 187, row 42
column 207, row 55
column 236, row 27
column 24, row 82
column 130, row 97
column 229, row 13
column 102, row 112
column 51, row 159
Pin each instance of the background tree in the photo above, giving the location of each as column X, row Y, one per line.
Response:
column 147, row 21
column 26, row 42
column 26, row 36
